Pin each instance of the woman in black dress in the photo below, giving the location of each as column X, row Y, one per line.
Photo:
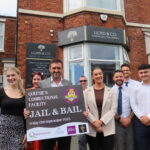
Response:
column 12, row 103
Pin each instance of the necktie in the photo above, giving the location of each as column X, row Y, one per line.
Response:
column 119, row 110
column 126, row 83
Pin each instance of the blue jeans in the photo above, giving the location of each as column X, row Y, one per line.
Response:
column 82, row 142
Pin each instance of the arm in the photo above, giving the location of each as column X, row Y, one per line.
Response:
column 88, row 114
column 133, row 102
column 112, row 111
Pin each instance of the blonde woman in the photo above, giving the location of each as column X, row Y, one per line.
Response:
column 12, row 103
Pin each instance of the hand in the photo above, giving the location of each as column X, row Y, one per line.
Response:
column 85, row 113
column 117, row 117
column 100, row 130
column 144, row 120
column 24, row 139
column 97, row 124
column 26, row 113
column 125, row 121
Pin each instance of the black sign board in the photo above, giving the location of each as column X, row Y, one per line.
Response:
column 36, row 66
column 55, row 112
column 38, row 50
column 91, row 34
column 38, row 58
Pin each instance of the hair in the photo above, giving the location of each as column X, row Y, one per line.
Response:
column 56, row 61
column 97, row 67
column 37, row 73
column 125, row 65
column 83, row 76
column 117, row 71
column 144, row 66
column 20, row 80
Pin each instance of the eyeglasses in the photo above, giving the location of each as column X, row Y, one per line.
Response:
column 125, row 70
column 56, row 68
column 83, row 81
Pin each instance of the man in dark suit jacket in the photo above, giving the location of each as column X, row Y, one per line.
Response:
column 56, row 80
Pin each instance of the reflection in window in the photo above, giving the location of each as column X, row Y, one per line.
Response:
column 106, row 56
column 76, row 70
column 102, row 4
column 1, row 36
column 108, row 69
column 74, row 4
column 106, row 4
column 75, row 52
column 97, row 51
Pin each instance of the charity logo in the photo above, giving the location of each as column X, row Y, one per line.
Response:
column 32, row 135
column 71, row 130
column 71, row 95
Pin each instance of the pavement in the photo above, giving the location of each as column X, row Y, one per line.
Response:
column 74, row 143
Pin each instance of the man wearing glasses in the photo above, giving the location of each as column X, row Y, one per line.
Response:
column 82, row 141
column 56, row 80
column 128, row 82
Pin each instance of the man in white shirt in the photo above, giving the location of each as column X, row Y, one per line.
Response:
column 124, row 130
column 140, row 103
column 127, row 76
column 56, row 80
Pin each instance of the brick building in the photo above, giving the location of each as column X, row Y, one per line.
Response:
column 84, row 33
column 7, row 44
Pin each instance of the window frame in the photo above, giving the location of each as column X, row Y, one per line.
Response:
column 119, row 5
column 86, row 61
column 3, row 36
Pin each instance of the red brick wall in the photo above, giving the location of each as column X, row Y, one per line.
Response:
column 137, row 47
column 9, row 41
column 36, row 29
column 54, row 6
column 137, row 11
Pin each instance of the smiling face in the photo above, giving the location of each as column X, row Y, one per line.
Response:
column 118, row 78
column 35, row 80
column 56, row 70
column 12, row 77
column 126, row 71
column 144, row 75
column 97, row 76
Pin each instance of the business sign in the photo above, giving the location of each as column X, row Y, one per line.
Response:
column 38, row 57
column 36, row 66
column 38, row 50
column 91, row 34
column 55, row 112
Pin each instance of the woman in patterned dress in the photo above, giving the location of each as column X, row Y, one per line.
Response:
column 12, row 103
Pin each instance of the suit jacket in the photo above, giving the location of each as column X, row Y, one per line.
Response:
column 46, row 83
column 108, row 110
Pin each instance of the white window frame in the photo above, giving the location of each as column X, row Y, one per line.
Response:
column 147, row 43
column 3, row 36
column 86, row 60
column 119, row 5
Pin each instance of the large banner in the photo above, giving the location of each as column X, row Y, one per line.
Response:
column 55, row 112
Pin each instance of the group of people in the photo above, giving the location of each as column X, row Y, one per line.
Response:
column 119, row 117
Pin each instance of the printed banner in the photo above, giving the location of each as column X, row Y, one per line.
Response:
column 55, row 112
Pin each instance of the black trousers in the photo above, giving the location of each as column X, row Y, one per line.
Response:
column 100, row 142
column 63, row 143
column 141, row 135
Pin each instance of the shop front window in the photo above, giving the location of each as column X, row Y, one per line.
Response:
column 82, row 58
